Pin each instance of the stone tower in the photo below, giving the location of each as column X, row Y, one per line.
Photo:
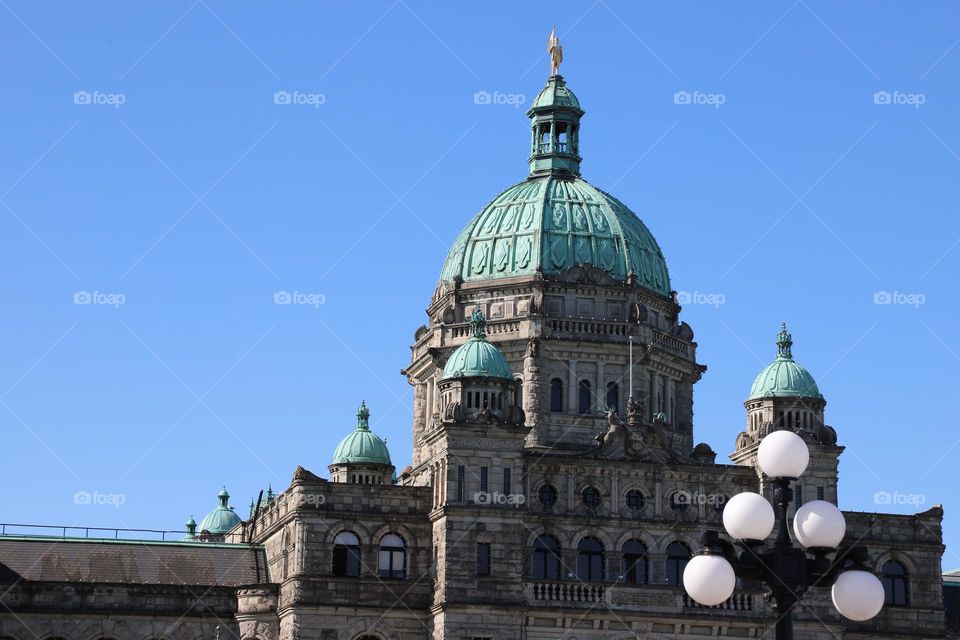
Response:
column 566, row 277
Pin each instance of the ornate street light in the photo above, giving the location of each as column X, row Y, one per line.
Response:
column 787, row 570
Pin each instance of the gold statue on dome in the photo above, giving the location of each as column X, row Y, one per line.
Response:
column 555, row 51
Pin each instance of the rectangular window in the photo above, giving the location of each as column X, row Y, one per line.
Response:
column 460, row 487
column 506, row 482
column 798, row 496
column 819, row 493
column 483, row 479
column 483, row 558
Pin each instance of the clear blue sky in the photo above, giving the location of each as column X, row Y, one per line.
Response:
column 198, row 198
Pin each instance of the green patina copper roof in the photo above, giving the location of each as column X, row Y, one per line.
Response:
column 554, row 219
column 222, row 519
column 477, row 358
column 362, row 446
column 555, row 94
column 783, row 377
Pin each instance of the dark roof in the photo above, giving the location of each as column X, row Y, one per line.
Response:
column 951, row 598
column 130, row 561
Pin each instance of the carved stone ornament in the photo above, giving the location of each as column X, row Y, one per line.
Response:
column 586, row 273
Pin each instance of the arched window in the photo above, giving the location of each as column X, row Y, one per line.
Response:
column 393, row 557
column 613, row 395
column 346, row 555
column 584, row 399
column 590, row 560
column 556, row 395
column 546, row 558
column 518, row 392
column 894, row 583
column 678, row 555
column 635, row 562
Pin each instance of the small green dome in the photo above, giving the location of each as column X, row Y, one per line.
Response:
column 477, row 358
column 783, row 377
column 191, row 534
column 555, row 94
column 222, row 519
column 362, row 446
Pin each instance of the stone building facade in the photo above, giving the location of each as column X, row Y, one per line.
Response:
column 556, row 490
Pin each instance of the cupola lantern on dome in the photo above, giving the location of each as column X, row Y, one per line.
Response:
column 477, row 383
column 784, row 377
column 221, row 520
column 477, row 357
column 362, row 457
column 554, row 220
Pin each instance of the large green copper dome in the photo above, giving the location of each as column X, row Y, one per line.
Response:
column 477, row 358
column 362, row 446
column 222, row 519
column 554, row 219
column 783, row 377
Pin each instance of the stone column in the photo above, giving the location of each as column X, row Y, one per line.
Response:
column 668, row 403
column 654, row 386
column 533, row 388
column 601, row 401
column 572, row 386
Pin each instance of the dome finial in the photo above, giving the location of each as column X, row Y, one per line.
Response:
column 555, row 51
column 363, row 417
column 223, row 496
column 478, row 324
column 784, row 342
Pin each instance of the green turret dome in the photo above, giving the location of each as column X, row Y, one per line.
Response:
column 554, row 219
column 477, row 358
column 222, row 519
column 783, row 377
column 555, row 94
column 362, row 446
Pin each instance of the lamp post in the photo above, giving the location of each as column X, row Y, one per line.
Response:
column 786, row 569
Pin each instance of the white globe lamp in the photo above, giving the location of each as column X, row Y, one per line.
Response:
column 709, row 579
column 857, row 595
column 783, row 454
column 819, row 524
column 748, row 516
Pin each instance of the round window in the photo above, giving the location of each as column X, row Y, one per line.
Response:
column 635, row 500
column 591, row 498
column 548, row 495
column 680, row 501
